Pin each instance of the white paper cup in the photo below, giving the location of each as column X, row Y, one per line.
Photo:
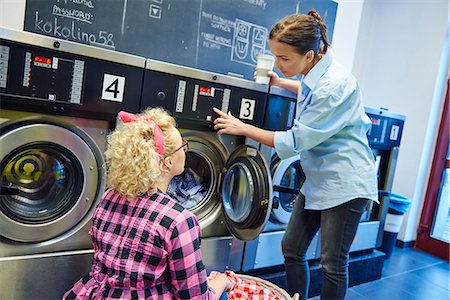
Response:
column 264, row 64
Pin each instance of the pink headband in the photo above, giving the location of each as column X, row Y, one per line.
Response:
column 127, row 117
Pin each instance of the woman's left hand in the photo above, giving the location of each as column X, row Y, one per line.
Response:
column 227, row 124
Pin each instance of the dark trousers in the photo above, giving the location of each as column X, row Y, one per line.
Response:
column 338, row 227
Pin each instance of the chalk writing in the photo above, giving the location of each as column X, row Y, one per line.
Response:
column 75, row 14
column 155, row 11
column 214, row 35
column 249, row 41
column 210, row 37
column 87, row 3
column 260, row 3
column 73, row 32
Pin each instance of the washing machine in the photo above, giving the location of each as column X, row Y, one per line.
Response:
column 287, row 179
column 59, row 101
column 227, row 182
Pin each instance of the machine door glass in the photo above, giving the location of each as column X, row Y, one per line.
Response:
column 197, row 188
column 50, row 177
column 42, row 173
column 246, row 193
column 288, row 178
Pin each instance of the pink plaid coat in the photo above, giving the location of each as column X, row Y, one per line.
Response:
column 145, row 249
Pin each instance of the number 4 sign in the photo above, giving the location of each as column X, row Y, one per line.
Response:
column 113, row 87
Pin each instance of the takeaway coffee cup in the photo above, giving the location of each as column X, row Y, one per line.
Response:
column 264, row 64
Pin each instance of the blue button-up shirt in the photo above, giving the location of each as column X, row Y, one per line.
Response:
column 330, row 135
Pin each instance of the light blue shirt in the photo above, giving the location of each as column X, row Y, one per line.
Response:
column 330, row 135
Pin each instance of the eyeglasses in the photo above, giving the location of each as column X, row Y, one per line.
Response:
column 184, row 146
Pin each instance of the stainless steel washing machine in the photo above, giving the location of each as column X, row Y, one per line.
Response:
column 58, row 102
column 287, row 179
column 227, row 182
column 57, row 171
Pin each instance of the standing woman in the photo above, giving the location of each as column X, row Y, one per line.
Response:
column 146, row 245
column 329, row 135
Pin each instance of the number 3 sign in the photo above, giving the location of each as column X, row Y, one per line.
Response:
column 113, row 87
column 247, row 109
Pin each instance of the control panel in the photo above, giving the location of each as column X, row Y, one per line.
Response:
column 41, row 75
column 44, row 78
column 191, row 100
column 386, row 130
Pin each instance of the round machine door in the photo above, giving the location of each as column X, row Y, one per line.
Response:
column 246, row 193
column 197, row 188
column 57, row 172
column 288, row 178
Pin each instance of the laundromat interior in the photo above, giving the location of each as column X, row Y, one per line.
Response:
column 67, row 67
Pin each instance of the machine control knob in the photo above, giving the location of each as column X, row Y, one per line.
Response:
column 161, row 96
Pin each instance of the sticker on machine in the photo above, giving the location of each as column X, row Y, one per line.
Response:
column 113, row 87
column 394, row 132
column 247, row 110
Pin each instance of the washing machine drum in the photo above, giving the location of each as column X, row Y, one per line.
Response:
column 288, row 178
column 56, row 171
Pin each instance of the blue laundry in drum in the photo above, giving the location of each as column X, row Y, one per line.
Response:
column 186, row 189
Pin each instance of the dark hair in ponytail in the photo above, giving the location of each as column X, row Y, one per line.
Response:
column 304, row 32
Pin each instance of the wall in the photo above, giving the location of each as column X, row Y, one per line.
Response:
column 12, row 13
column 346, row 31
column 395, row 51
column 397, row 62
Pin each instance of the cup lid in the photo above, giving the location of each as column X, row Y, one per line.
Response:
column 266, row 56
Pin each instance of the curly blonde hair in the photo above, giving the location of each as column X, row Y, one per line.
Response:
column 133, row 166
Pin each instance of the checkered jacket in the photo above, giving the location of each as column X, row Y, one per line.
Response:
column 145, row 249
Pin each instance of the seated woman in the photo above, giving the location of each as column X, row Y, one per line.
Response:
column 146, row 245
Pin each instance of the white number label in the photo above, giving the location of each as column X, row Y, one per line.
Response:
column 247, row 109
column 394, row 132
column 113, row 87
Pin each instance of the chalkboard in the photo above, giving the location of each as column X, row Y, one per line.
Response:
column 215, row 35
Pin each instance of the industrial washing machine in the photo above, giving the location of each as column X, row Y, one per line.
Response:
column 227, row 182
column 287, row 179
column 59, row 101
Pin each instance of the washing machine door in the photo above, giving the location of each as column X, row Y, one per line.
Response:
column 288, row 178
column 57, row 171
column 246, row 193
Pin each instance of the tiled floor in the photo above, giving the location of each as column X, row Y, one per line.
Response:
column 408, row 274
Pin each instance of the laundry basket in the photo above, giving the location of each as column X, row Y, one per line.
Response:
column 269, row 285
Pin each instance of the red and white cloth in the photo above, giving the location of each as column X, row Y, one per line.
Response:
column 246, row 289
